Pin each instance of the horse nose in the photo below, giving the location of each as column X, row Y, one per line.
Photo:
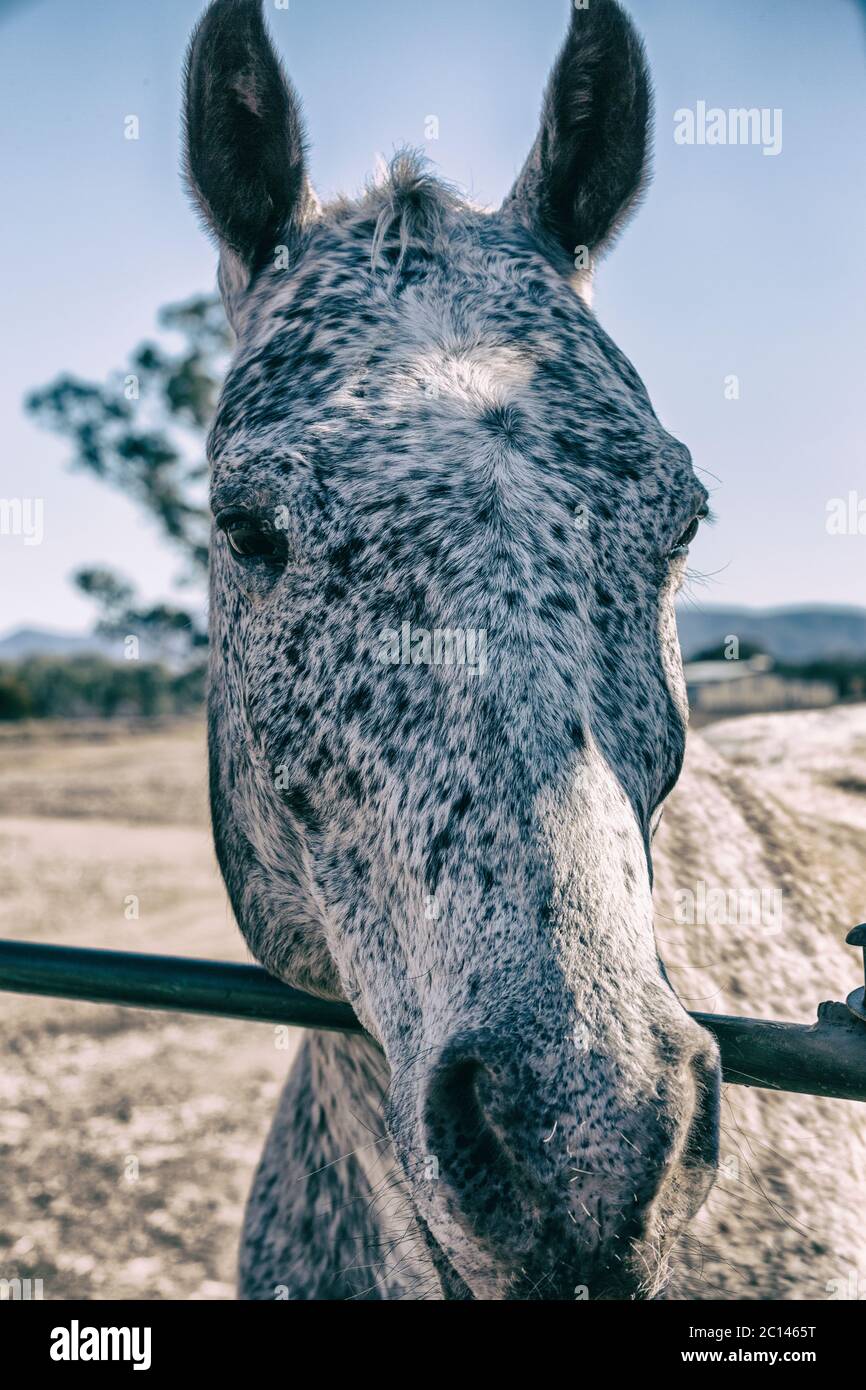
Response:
column 504, row 1136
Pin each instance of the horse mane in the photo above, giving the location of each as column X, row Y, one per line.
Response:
column 410, row 209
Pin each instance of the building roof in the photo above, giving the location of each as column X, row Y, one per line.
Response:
column 710, row 672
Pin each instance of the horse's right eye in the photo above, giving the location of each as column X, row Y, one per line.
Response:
column 250, row 539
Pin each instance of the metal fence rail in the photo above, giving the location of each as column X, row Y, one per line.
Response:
column 826, row 1058
column 179, row 983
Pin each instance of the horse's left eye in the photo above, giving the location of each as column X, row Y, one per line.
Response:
column 250, row 540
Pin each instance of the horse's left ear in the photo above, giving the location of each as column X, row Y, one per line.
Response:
column 589, row 163
column 245, row 159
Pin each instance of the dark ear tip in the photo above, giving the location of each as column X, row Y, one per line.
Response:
column 604, row 35
column 600, row 12
column 222, row 9
column 606, row 22
column 230, row 16
column 224, row 21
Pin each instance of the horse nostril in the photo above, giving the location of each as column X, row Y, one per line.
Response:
column 701, row 1147
column 456, row 1119
column 468, row 1110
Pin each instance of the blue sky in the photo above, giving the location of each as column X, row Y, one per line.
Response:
column 737, row 264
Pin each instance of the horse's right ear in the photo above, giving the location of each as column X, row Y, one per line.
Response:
column 245, row 160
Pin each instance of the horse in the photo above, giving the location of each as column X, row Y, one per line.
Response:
column 446, row 711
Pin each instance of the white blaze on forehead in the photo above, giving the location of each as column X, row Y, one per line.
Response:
column 478, row 377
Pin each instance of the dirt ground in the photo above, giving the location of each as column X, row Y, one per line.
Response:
column 127, row 1138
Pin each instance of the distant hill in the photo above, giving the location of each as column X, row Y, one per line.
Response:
column 43, row 641
column 789, row 634
column 792, row 635
column 25, row 642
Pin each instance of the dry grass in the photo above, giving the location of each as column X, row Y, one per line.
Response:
column 127, row 1138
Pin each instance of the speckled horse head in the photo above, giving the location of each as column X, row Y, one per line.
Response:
column 446, row 694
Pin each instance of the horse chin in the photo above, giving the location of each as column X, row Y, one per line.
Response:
column 542, row 1282
column 554, row 1276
